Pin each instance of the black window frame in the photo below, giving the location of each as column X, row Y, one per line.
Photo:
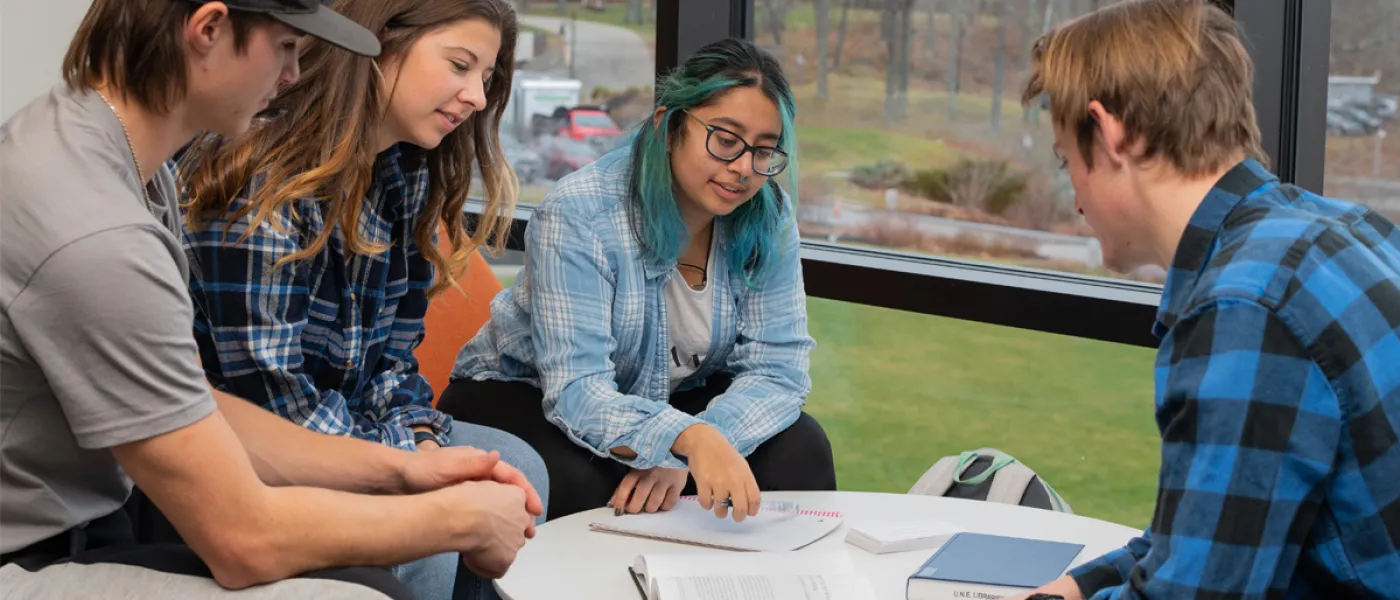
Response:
column 1288, row 41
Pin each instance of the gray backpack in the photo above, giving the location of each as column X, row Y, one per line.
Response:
column 992, row 475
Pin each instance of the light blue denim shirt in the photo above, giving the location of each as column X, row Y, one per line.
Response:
column 586, row 322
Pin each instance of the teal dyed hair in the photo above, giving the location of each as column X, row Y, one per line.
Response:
column 753, row 228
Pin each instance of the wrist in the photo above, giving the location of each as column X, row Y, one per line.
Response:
column 692, row 438
column 468, row 538
column 400, row 463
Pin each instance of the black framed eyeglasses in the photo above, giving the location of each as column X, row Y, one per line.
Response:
column 728, row 146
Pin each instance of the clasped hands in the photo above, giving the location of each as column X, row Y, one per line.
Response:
column 470, row 478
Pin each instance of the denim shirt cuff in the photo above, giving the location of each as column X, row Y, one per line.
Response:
column 653, row 440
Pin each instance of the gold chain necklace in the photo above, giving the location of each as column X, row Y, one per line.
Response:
column 140, row 178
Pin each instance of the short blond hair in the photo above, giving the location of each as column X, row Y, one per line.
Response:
column 1174, row 71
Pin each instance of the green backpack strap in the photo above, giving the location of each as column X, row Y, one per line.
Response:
column 999, row 460
column 1012, row 478
column 1008, row 487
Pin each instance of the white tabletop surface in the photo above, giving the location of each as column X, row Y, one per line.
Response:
column 567, row 560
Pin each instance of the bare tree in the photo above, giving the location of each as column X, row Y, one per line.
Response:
column 776, row 20
column 956, row 34
column 1030, row 30
column 823, row 8
column 906, row 43
column 889, row 26
column 931, row 27
column 841, row 34
column 896, row 27
column 634, row 12
column 1002, row 12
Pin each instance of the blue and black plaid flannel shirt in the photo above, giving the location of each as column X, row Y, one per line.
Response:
column 326, row 342
column 1278, row 401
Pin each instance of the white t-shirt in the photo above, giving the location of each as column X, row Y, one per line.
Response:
column 689, row 315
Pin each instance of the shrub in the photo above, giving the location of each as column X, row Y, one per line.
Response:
column 880, row 175
column 986, row 184
column 931, row 183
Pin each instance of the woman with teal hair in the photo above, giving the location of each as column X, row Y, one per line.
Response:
column 656, row 342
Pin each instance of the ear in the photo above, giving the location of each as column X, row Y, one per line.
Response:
column 1110, row 134
column 206, row 27
column 656, row 118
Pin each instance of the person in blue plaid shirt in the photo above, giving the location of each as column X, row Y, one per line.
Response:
column 312, row 242
column 656, row 342
column 1278, row 374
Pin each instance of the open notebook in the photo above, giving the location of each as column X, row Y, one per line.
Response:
column 766, row 576
column 688, row 523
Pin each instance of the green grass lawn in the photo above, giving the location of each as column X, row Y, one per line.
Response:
column 824, row 148
column 852, row 120
column 896, row 391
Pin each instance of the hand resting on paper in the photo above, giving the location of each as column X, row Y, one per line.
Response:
column 648, row 490
column 720, row 473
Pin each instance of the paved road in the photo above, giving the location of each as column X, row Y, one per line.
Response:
column 608, row 56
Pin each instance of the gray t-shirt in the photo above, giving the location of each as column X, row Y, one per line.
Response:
column 95, row 320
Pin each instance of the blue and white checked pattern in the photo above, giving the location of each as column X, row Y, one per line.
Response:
column 586, row 322
column 1278, row 396
column 326, row 342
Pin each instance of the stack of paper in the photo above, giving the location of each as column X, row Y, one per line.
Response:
column 901, row 536
column 688, row 523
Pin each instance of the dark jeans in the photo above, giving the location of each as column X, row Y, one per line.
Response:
column 798, row 458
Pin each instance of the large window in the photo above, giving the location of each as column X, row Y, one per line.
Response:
column 938, row 190
column 897, row 390
column 912, row 135
column 584, row 78
column 1363, row 90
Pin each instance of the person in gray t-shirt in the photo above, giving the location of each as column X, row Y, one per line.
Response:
column 99, row 373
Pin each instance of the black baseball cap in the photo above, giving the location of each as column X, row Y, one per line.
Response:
column 313, row 18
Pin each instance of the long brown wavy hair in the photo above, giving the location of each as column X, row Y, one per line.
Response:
column 322, row 145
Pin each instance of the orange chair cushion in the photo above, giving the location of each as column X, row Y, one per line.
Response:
column 454, row 318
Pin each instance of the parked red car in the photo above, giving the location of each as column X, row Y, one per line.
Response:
column 579, row 123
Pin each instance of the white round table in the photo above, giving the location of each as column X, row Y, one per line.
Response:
column 567, row 560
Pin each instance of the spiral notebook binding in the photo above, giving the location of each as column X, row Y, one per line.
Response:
column 784, row 506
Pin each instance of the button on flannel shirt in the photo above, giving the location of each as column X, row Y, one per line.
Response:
column 1278, row 400
column 326, row 342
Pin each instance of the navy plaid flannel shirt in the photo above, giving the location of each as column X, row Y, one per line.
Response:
column 328, row 341
column 1278, row 401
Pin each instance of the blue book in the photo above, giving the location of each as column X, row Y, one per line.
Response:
column 975, row 566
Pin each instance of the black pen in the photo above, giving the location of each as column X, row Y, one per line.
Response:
column 637, row 579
